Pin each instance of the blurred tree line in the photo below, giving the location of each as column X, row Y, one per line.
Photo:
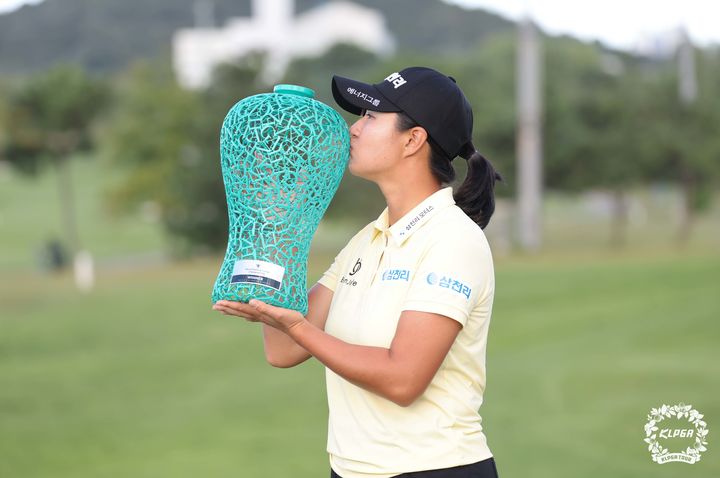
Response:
column 45, row 121
column 107, row 35
column 612, row 121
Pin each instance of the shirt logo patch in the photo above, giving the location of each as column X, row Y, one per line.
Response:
column 356, row 267
column 346, row 281
column 396, row 274
column 447, row 282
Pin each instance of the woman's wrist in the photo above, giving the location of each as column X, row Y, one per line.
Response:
column 298, row 330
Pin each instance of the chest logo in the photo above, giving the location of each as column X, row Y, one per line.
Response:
column 396, row 274
column 356, row 267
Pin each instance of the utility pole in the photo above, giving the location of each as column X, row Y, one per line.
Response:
column 687, row 93
column 83, row 265
column 687, row 85
column 529, row 137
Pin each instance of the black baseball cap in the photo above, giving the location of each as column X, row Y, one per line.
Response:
column 433, row 100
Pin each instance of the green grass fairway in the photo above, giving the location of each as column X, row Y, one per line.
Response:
column 30, row 214
column 141, row 379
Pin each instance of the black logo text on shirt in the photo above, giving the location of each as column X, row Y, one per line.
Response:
column 346, row 281
column 356, row 267
column 417, row 218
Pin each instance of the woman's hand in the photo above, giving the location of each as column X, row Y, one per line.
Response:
column 258, row 311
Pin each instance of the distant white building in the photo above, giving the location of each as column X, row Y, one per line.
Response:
column 275, row 30
column 661, row 45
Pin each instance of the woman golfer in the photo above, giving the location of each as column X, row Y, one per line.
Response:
column 400, row 320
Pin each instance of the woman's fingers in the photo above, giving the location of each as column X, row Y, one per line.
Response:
column 237, row 309
column 277, row 317
column 236, row 306
column 258, row 311
column 269, row 314
column 263, row 308
column 234, row 313
column 226, row 310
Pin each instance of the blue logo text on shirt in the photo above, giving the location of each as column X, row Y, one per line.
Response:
column 396, row 274
column 447, row 282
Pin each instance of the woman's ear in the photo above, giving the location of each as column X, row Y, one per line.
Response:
column 415, row 139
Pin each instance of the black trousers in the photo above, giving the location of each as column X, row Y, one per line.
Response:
column 481, row 469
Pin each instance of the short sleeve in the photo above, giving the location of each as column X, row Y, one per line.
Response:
column 331, row 276
column 452, row 279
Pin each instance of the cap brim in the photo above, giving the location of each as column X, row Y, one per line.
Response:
column 355, row 96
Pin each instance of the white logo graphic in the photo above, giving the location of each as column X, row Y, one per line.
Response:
column 396, row 79
column 697, row 431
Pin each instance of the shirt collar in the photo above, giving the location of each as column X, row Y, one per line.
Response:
column 416, row 217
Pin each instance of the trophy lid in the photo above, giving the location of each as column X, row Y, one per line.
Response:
column 294, row 90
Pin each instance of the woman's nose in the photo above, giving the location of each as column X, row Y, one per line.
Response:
column 355, row 128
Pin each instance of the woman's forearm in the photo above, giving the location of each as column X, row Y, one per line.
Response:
column 371, row 368
column 281, row 350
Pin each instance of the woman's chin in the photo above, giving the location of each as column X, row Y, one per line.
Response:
column 352, row 166
column 353, row 171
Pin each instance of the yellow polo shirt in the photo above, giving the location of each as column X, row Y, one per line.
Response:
column 434, row 259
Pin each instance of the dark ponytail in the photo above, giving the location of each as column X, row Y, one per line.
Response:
column 476, row 195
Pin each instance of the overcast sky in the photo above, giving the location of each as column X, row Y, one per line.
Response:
column 7, row 5
column 619, row 23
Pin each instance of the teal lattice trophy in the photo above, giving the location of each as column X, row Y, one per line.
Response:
column 283, row 155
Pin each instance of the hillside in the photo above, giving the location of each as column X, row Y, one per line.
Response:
column 106, row 35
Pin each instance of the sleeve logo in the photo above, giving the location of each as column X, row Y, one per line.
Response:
column 447, row 282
